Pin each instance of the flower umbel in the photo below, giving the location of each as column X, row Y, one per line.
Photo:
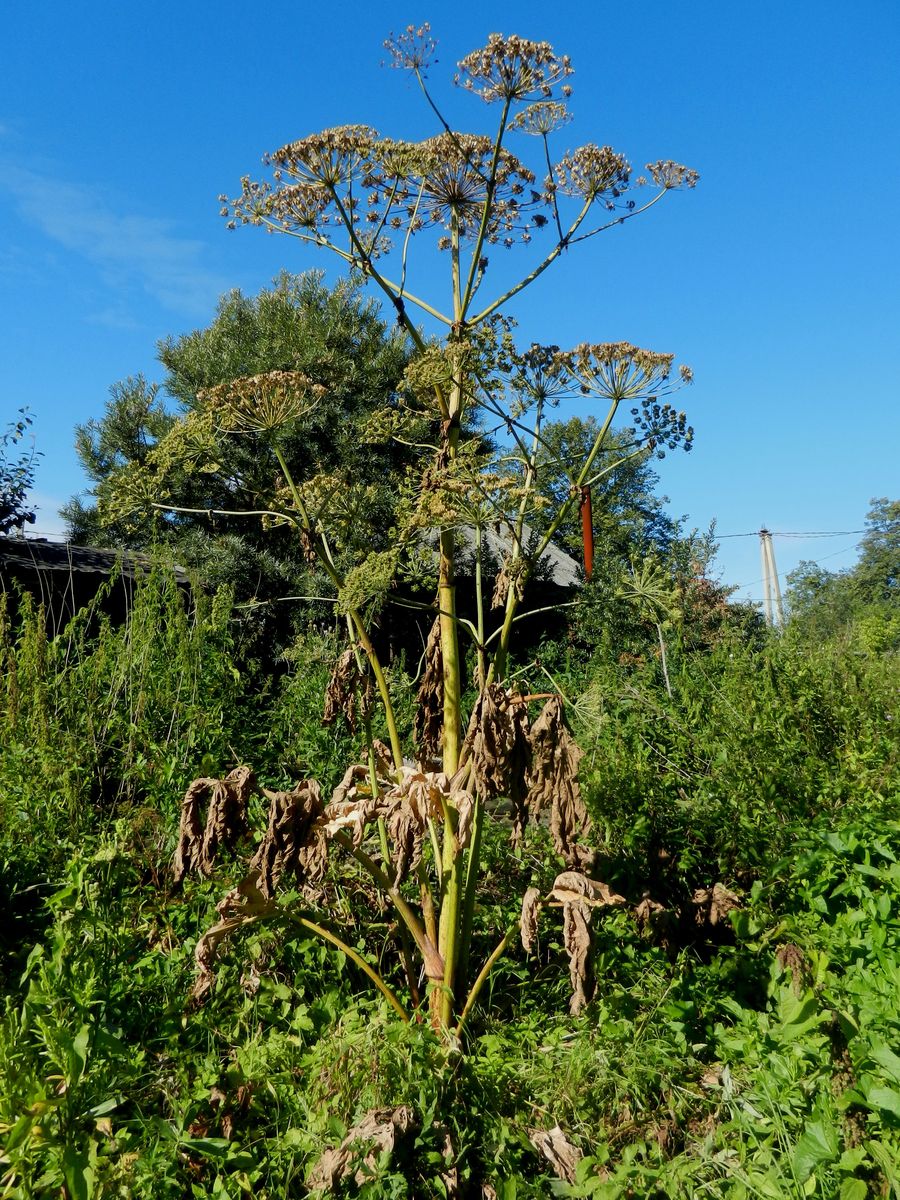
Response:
column 513, row 68
column 259, row 403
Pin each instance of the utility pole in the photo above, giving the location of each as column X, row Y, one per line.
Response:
column 772, row 589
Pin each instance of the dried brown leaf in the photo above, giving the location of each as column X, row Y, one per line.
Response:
column 573, row 886
column 428, row 722
column 226, row 820
column 577, row 940
column 501, row 589
column 190, row 830
column 465, row 810
column 651, row 917
column 714, row 904
column 383, row 1128
column 528, row 922
column 559, row 1152
column 291, row 830
column 349, row 692
column 242, row 904
column 406, row 832
column 496, row 741
column 553, row 780
column 520, row 764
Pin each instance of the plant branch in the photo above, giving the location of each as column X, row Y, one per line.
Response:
column 354, row 956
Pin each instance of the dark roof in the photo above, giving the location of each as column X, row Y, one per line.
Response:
column 38, row 554
column 555, row 566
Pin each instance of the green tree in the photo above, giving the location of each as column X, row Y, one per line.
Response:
column 876, row 577
column 629, row 516
column 336, row 339
column 16, row 474
column 860, row 602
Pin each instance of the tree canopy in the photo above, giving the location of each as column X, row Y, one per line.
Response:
column 822, row 603
column 333, row 337
column 16, row 474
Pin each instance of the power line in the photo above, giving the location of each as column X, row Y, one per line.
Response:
column 817, row 533
column 834, row 554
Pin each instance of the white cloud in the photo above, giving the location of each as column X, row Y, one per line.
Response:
column 127, row 249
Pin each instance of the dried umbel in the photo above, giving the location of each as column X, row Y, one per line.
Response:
column 541, row 118
column 542, row 373
column 553, row 780
column 200, row 839
column 413, row 49
column 592, row 171
column 514, row 68
column 618, row 370
column 667, row 174
column 428, row 721
column 331, row 158
column 260, row 403
column 447, row 180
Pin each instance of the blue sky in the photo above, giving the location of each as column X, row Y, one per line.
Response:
column 776, row 279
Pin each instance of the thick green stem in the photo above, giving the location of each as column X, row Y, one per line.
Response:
column 448, row 928
column 473, row 868
column 479, row 611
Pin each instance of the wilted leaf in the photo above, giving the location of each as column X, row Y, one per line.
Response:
column 289, row 843
column 243, row 903
column 528, row 922
column 496, row 743
column 384, row 1128
column 349, row 692
column 226, row 820
column 559, row 1152
column 577, row 940
column 572, row 886
column 714, row 904
column 428, row 721
column 553, row 780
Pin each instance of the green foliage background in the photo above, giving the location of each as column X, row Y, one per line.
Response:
column 760, row 1061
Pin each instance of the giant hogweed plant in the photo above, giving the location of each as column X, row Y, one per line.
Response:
column 371, row 200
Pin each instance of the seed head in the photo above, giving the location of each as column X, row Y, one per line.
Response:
column 513, row 68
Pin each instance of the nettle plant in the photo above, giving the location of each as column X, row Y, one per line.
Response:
column 414, row 820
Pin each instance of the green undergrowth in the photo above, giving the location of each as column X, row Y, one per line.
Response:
column 761, row 1059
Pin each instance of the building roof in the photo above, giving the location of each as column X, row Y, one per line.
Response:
column 555, row 566
column 39, row 554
